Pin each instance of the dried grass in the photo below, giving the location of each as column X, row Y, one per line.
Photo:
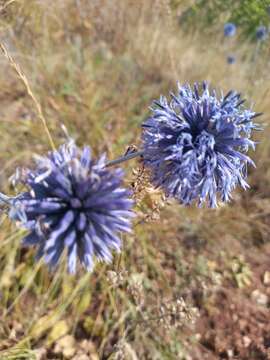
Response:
column 96, row 69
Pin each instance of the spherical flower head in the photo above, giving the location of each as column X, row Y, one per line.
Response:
column 231, row 59
column 195, row 144
column 261, row 33
column 229, row 29
column 75, row 203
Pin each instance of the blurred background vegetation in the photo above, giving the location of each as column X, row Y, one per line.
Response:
column 190, row 283
column 209, row 15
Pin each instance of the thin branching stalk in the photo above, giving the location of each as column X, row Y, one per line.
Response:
column 23, row 78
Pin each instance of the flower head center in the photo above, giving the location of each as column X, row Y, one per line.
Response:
column 76, row 203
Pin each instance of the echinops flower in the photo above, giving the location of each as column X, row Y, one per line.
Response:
column 231, row 59
column 195, row 144
column 75, row 203
column 261, row 33
column 229, row 29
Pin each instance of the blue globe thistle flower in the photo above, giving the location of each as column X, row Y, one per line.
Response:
column 74, row 203
column 231, row 59
column 229, row 29
column 261, row 33
column 195, row 144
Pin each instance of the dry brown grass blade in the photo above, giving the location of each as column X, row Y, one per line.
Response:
column 4, row 6
column 23, row 78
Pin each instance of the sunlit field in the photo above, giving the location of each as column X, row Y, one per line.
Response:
column 190, row 283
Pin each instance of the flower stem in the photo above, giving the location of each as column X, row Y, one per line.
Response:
column 4, row 199
column 126, row 157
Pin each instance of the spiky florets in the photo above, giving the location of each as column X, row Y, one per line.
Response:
column 75, row 203
column 194, row 145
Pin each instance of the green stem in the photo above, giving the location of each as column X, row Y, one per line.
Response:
column 127, row 157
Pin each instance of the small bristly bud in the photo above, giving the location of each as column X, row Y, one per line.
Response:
column 117, row 278
column 177, row 313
